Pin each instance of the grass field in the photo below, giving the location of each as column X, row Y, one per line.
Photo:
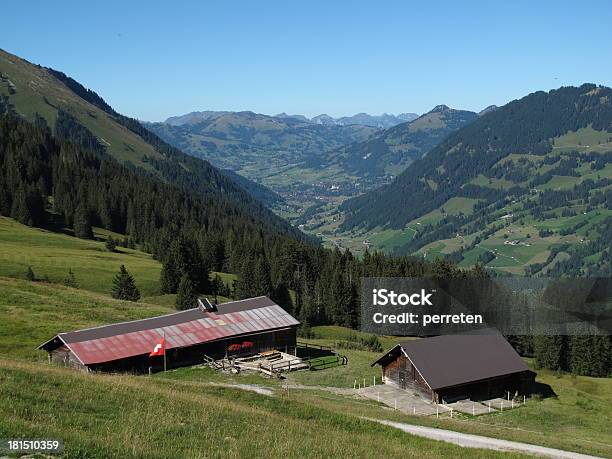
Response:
column 129, row 416
column 173, row 415
column 358, row 368
column 51, row 255
column 178, row 414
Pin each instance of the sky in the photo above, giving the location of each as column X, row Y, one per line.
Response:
column 154, row 59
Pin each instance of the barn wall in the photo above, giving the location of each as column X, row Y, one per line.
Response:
column 402, row 373
column 64, row 356
column 516, row 384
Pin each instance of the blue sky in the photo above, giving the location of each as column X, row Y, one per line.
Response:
column 154, row 59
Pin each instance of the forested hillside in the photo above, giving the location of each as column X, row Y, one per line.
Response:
column 391, row 151
column 47, row 97
column 525, row 187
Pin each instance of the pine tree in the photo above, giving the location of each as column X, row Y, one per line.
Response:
column 581, row 354
column 186, row 297
column 245, row 285
column 82, row 223
column 262, row 284
column 550, row 352
column 20, row 210
column 169, row 277
column 124, row 287
column 281, row 296
column 184, row 257
column 70, row 280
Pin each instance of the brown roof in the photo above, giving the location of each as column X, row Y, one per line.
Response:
column 452, row 360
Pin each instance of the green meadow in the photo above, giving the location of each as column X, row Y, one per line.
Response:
column 179, row 414
column 575, row 419
column 174, row 415
column 51, row 255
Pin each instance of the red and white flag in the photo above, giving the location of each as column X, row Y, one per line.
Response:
column 159, row 349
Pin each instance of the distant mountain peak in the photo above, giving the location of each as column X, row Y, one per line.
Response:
column 488, row 109
column 440, row 108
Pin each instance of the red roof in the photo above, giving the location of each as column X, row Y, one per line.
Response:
column 181, row 329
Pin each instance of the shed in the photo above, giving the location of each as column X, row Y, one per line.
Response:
column 455, row 367
column 208, row 330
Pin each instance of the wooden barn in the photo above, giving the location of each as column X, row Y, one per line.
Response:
column 257, row 324
column 454, row 367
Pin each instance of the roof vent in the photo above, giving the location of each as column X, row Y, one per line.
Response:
column 206, row 305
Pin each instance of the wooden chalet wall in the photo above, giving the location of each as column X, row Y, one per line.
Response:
column 402, row 373
column 64, row 356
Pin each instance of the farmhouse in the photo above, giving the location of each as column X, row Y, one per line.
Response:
column 454, row 367
column 208, row 330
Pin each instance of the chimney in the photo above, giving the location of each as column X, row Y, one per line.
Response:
column 206, row 305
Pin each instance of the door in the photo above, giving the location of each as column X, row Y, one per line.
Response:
column 403, row 379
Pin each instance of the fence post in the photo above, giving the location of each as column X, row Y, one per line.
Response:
column 355, row 385
column 451, row 413
column 523, row 399
column 414, row 410
column 437, row 411
column 502, row 405
column 489, row 407
column 473, row 411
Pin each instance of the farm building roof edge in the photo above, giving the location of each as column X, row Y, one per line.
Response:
column 182, row 329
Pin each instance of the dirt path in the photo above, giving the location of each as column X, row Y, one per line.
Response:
column 333, row 390
column 477, row 441
column 248, row 387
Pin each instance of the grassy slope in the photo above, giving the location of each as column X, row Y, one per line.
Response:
column 37, row 91
column 129, row 416
column 132, row 416
column 577, row 420
column 53, row 254
column 93, row 412
column 33, row 312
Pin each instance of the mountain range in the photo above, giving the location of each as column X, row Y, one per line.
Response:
column 383, row 121
column 252, row 144
column 389, row 152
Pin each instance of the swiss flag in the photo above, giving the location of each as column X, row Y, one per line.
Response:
column 159, row 349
